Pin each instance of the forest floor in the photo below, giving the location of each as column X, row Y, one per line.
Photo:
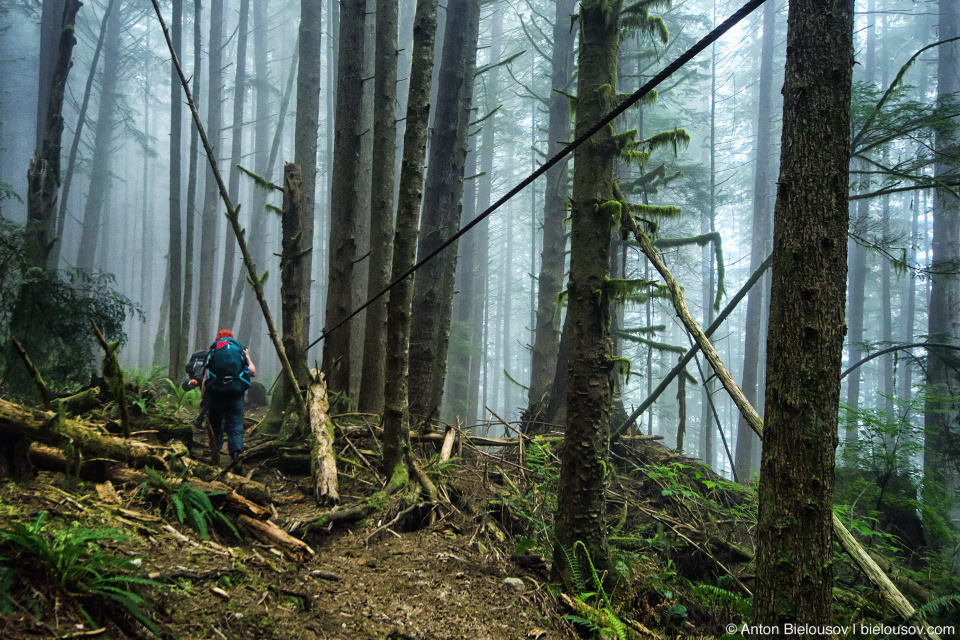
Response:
column 83, row 558
column 442, row 580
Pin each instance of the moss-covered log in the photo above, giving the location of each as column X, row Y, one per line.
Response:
column 79, row 403
column 55, row 429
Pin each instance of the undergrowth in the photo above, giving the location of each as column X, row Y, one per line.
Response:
column 74, row 565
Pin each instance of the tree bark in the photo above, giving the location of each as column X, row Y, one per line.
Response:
column 209, row 238
column 306, row 127
column 382, row 182
column 190, row 211
column 581, row 514
column 396, row 426
column 233, row 185
column 546, row 342
column 442, row 205
column 54, row 257
column 344, row 199
column 747, row 440
column 941, row 408
column 323, row 456
column 795, row 523
column 43, row 175
column 292, row 274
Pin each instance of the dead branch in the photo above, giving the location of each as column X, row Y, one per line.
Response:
column 34, row 374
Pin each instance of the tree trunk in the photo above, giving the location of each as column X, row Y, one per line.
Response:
column 858, row 258
column 175, row 257
column 52, row 23
column 381, row 203
column 307, row 126
column 747, row 440
column 101, row 159
column 396, row 449
column 43, row 175
column 344, row 199
column 292, row 273
column 264, row 158
column 443, row 201
column 233, row 185
column 794, row 530
column 54, row 257
column 463, row 360
column 546, row 342
column 581, row 515
column 209, row 238
column 190, row 217
column 940, row 411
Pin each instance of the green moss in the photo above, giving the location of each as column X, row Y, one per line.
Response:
column 612, row 210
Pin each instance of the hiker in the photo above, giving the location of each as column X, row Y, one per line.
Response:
column 227, row 378
column 196, row 368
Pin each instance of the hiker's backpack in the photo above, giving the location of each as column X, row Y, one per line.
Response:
column 227, row 372
column 196, row 364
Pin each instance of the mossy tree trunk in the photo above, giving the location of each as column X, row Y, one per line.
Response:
column 396, row 449
column 43, row 175
column 292, row 273
column 940, row 411
column 443, row 200
column 381, row 203
column 546, row 342
column 344, row 198
column 795, row 524
column 581, row 516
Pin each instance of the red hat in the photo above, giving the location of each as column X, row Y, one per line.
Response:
column 225, row 333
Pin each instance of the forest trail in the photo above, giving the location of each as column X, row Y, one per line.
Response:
column 446, row 580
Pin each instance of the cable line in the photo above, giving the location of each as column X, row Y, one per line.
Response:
column 668, row 71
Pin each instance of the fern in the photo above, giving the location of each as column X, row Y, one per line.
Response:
column 195, row 510
column 936, row 607
column 573, row 565
column 73, row 559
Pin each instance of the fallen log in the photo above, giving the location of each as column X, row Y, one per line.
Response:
column 51, row 428
column 78, row 403
column 102, row 470
column 477, row 441
column 269, row 533
column 323, row 460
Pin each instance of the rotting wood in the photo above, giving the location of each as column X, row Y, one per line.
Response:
column 323, row 461
column 78, row 403
column 108, row 471
column 877, row 577
column 49, row 428
column 269, row 533
column 448, row 439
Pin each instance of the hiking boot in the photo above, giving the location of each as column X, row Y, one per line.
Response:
column 237, row 466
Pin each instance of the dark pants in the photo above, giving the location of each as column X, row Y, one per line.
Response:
column 226, row 414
